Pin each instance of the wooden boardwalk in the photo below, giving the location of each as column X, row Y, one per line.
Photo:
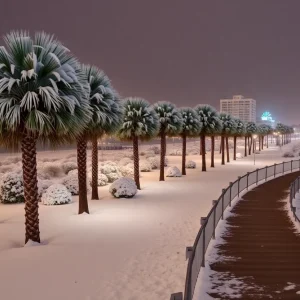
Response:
column 261, row 256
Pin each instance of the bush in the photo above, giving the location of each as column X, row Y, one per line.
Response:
column 125, row 161
column 71, row 183
column 69, row 166
column 43, row 186
column 46, row 159
column 128, row 154
column 193, row 152
column 56, row 194
column 123, row 188
column 128, row 170
column 73, row 172
column 190, row 164
column 11, row 160
column 166, row 161
column 112, row 177
column 102, row 180
column 155, row 149
column 149, row 153
column 12, row 189
column 239, row 155
column 71, row 155
column 51, row 169
column 154, row 162
column 109, row 167
column 288, row 154
column 145, row 166
column 5, row 169
column 173, row 172
column 175, row 153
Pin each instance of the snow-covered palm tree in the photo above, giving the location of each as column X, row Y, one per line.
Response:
column 210, row 126
column 251, row 129
column 239, row 132
column 228, row 129
column 170, row 123
column 269, row 131
column 140, row 121
column 106, row 119
column 43, row 96
column 262, row 131
column 190, row 128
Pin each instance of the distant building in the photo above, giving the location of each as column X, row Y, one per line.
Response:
column 266, row 118
column 239, row 107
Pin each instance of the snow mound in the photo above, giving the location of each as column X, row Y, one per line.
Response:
column 71, row 183
column 154, row 162
column 288, row 154
column 173, row 172
column 43, row 185
column 12, row 189
column 113, row 177
column 50, row 169
column 123, row 188
column 109, row 167
column 145, row 166
column 239, row 155
column 128, row 170
column 102, row 180
column 73, row 172
column 190, row 164
column 56, row 194
column 69, row 166
column 125, row 161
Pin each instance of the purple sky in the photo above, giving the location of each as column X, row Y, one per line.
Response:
column 182, row 51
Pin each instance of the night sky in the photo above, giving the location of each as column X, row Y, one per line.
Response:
column 182, row 51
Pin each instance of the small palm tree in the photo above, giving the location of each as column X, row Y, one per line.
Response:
column 262, row 131
column 43, row 96
column 106, row 119
column 210, row 125
column 269, row 131
column 140, row 121
column 239, row 132
column 229, row 127
column 190, row 128
column 170, row 123
column 251, row 129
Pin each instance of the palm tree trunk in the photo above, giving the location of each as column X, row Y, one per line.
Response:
column 253, row 145
column 136, row 162
column 183, row 154
column 28, row 145
column 200, row 144
column 262, row 142
column 212, row 160
column 81, row 162
column 162, row 156
column 203, row 153
column 95, row 195
column 259, row 143
column 245, row 146
column 267, row 141
column 234, row 148
column 223, row 150
column 227, row 149
column 250, row 145
column 220, row 146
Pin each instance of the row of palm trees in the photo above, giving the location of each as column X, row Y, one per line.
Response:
column 47, row 95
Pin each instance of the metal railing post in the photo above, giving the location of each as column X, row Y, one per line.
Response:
column 266, row 173
column 283, row 168
column 291, row 166
column 256, row 176
column 274, row 170
column 239, row 186
column 203, row 249
column 247, row 180
column 230, row 185
column 223, row 192
column 215, row 202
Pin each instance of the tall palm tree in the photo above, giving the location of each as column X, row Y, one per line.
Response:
column 106, row 119
column 170, row 123
column 210, row 125
column 251, row 129
column 140, row 121
column 43, row 96
column 239, row 132
column 190, row 128
column 228, row 129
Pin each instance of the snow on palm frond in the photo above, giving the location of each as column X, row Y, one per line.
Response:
column 104, row 101
column 263, row 129
column 228, row 123
column 139, row 119
column 284, row 129
column 42, row 88
column 240, row 129
column 191, row 124
column 170, row 119
column 251, row 128
column 209, row 119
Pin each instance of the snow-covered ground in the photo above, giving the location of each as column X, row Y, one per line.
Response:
column 129, row 249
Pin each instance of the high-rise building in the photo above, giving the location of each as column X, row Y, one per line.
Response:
column 239, row 107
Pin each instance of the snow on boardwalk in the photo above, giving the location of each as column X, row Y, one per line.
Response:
column 129, row 249
column 258, row 255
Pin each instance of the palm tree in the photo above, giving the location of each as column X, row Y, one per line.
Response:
column 210, row 125
column 170, row 123
column 190, row 128
column 43, row 96
column 140, row 121
column 229, row 127
column 251, row 129
column 239, row 132
column 106, row 119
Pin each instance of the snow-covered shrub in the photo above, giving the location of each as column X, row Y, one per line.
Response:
column 43, row 186
column 154, row 162
column 71, row 183
column 175, row 153
column 73, row 172
column 155, row 149
column 145, row 166
column 11, row 160
column 69, row 166
column 5, row 169
column 71, row 155
column 123, row 188
column 102, row 180
column 190, row 165
column 52, row 169
column 239, row 155
column 125, row 161
column 193, row 152
column 288, row 154
column 46, row 159
column 109, row 167
column 56, row 194
column 12, row 189
column 142, row 153
column 113, row 177
column 42, row 176
column 128, row 170
column 173, row 172
column 149, row 153
column 128, row 154
column 166, row 161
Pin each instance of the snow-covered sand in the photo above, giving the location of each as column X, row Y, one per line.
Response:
column 129, row 249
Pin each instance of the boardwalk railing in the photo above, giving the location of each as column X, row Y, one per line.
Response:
column 294, row 189
column 196, row 254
